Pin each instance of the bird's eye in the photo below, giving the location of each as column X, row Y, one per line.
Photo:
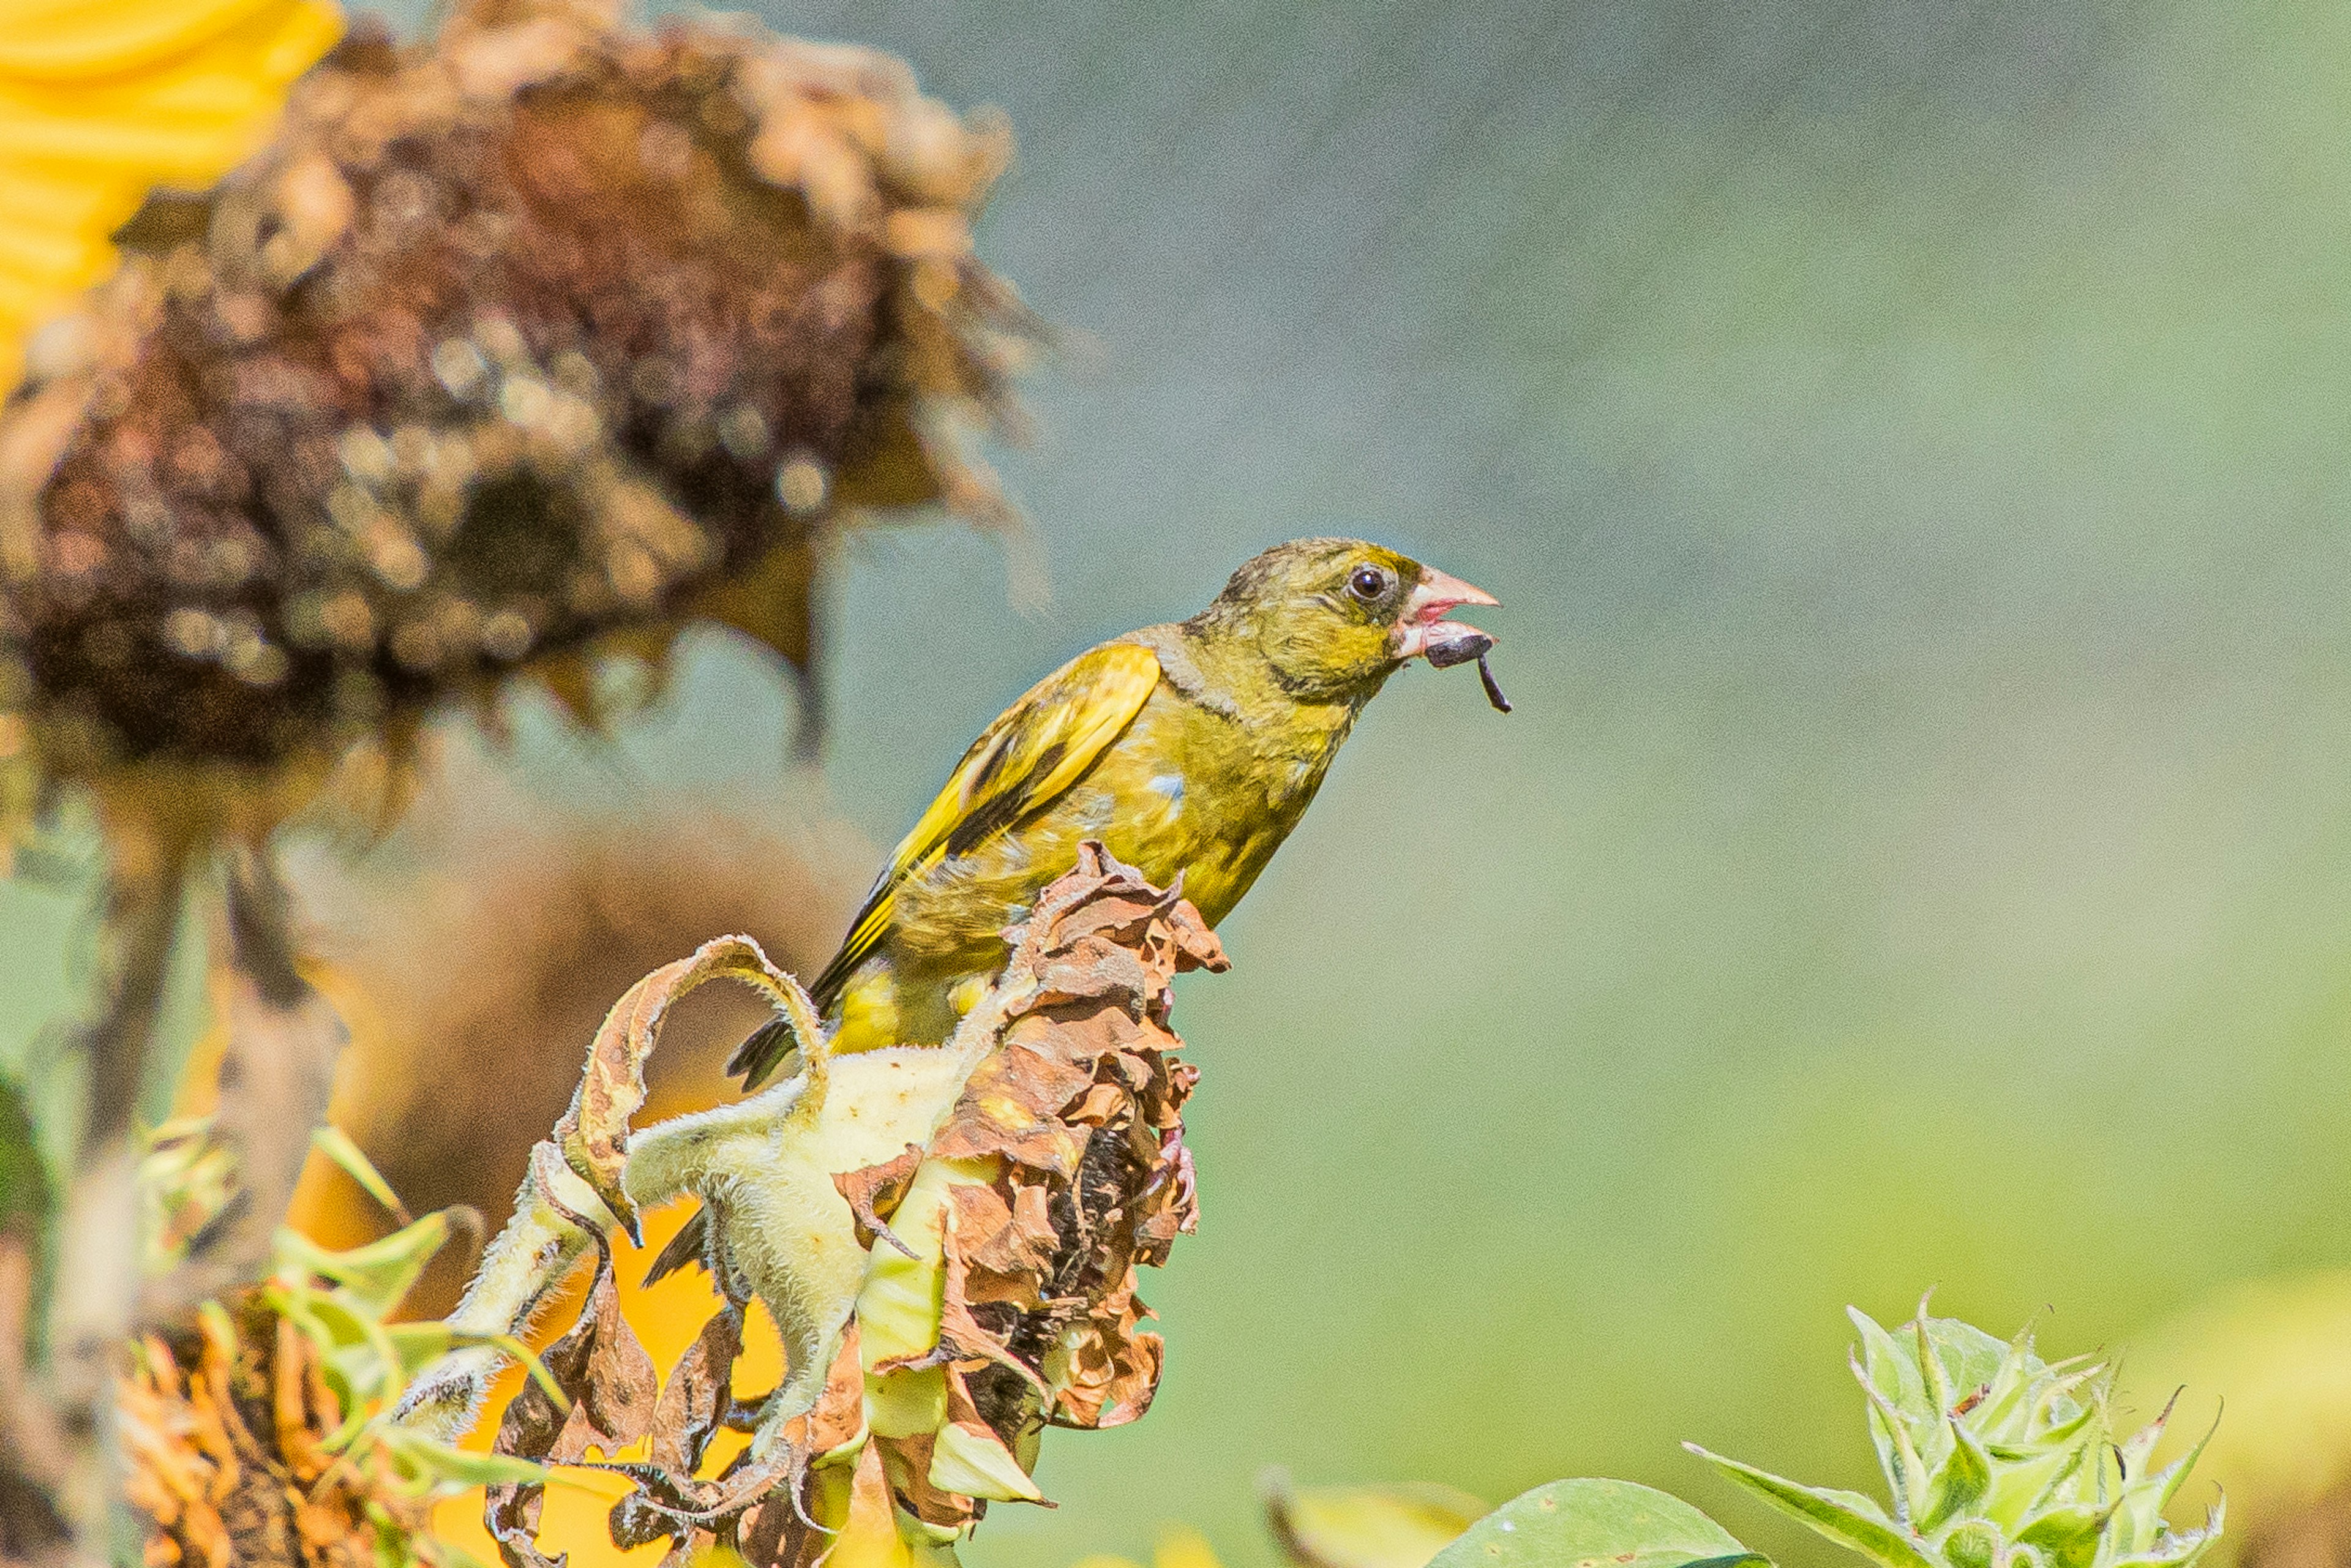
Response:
column 1367, row 583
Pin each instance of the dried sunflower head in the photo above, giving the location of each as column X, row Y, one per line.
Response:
column 541, row 338
column 946, row 1240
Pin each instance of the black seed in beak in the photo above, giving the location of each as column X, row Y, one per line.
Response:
column 1456, row 645
column 1493, row 692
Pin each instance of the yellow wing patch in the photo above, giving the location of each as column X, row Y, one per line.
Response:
column 1038, row 748
column 102, row 101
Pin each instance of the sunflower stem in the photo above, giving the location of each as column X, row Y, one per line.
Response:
column 97, row 1281
column 276, row 1075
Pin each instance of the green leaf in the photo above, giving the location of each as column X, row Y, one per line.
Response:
column 455, row 1466
column 2181, row 1550
column 1963, row 1366
column 1847, row 1517
column 1965, row 1357
column 1936, row 1376
column 376, row 1275
column 2011, row 1382
column 1594, row 1524
column 298, row 1305
column 2070, row 1429
column 1960, row 1482
column 336, row 1144
column 356, row 1353
column 2069, row 1533
column 1891, row 1371
column 1897, row 1399
column 2020, row 1484
column 2167, row 1481
column 1908, row 1476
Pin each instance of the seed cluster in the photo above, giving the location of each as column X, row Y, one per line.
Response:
column 511, row 343
column 228, row 1430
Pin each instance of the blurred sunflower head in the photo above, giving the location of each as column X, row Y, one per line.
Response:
column 537, row 341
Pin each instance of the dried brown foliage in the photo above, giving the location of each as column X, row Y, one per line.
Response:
column 224, row 1432
column 539, row 333
column 1081, row 1111
column 1058, row 1170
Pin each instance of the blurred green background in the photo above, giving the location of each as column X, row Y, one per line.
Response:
column 1907, row 438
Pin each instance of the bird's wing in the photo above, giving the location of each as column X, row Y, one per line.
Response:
column 1038, row 748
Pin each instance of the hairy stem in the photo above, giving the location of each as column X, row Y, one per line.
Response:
column 528, row 1259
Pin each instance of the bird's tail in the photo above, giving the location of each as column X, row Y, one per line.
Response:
column 690, row 1245
column 770, row 1046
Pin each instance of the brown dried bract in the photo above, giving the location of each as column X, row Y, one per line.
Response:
column 874, row 1194
column 593, row 1134
column 1081, row 1110
column 699, row 1398
column 541, row 332
column 610, row 1400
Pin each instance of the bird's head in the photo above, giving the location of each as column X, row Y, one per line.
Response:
column 1333, row 617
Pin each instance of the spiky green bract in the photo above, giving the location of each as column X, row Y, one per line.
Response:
column 1994, row 1458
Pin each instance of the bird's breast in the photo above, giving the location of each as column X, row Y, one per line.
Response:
column 1209, row 797
column 1185, row 791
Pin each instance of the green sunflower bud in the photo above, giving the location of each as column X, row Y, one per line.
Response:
column 1994, row 1458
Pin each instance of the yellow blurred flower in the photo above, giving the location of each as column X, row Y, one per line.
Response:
column 1176, row 1548
column 1396, row 1526
column 101, row 102
column 1333, row 1527
column 2278, row 1347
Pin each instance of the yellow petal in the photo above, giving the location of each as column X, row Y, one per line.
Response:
column 1183, row 1548
column 103, row 101
column 53, row 39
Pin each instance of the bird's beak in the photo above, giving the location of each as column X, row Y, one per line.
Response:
column 1423, row 623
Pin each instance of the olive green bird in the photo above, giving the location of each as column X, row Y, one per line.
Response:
column 1187, row 750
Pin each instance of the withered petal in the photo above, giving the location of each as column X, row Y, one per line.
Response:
column 694, row 1403
column 874, row 1193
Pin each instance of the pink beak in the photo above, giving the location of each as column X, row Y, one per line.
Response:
column 1423, row 621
